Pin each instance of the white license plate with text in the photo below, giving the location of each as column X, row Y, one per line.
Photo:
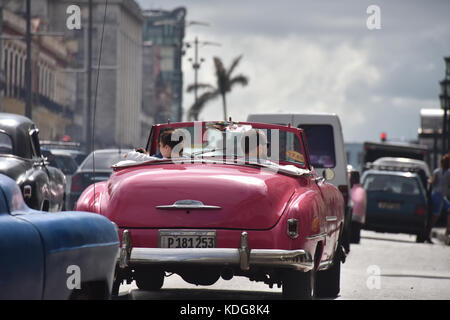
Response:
column 187, row 239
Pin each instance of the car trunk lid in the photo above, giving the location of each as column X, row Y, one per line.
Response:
column 197, row 196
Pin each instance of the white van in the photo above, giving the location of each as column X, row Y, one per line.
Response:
column 326, row 147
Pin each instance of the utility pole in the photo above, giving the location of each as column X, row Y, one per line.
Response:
column 28, row 82
column 89, row 145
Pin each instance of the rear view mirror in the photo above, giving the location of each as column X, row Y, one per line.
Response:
column 328, row 174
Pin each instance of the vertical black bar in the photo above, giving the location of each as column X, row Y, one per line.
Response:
column 28, row 102
column 89, row 83
column 444, row 132
column 196, row 66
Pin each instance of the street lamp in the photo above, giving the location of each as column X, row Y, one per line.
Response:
column 196, row 63
column 444, row 98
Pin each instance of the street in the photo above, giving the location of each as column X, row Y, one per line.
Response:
column 382, row 267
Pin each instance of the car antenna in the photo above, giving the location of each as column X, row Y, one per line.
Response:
column 96, row 90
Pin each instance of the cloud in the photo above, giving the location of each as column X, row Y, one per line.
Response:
column 318, row 56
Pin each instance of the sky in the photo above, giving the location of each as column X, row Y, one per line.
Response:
column 320, row 56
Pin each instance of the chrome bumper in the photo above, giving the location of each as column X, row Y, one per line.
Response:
column 242, row 257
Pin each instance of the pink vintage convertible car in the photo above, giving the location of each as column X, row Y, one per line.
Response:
column 217, row 212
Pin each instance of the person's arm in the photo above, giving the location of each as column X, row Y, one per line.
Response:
column 432, row 179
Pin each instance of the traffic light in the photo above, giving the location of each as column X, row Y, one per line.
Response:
column 383, row 137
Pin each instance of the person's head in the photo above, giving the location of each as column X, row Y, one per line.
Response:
column 254, row 143
column 445, row 162
column 167, row 143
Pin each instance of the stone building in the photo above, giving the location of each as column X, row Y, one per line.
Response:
column 52, row 88
column 118, row 97
column 162, row 84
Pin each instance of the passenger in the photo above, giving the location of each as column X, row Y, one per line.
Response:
column 439, row 183
column 254, row 145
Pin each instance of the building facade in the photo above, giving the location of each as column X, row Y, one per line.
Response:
column 162, row 86
column 52, row 88
column 117, row 96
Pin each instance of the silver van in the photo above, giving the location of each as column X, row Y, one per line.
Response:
column 327, row 150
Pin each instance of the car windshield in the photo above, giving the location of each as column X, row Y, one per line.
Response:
column 240, row 141
column 392, row 183
column 321, row 145
column 103, row 160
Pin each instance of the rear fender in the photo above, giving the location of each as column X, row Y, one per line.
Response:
column 91, row 198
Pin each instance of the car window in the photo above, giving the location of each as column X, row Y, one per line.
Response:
column 321, row 145
column 66, row 163
column 392, row 183
column 103, row 160
column 6, row 145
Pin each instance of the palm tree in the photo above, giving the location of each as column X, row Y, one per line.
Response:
column 224, row 83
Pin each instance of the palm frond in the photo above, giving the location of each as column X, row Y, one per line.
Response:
column 198, row 106
column 233, row 65
column 192, row 87
column 239, row 79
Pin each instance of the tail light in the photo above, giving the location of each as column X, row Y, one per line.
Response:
column 344, row 191
column 292, row 228
column 420, row 210
column 77, row 183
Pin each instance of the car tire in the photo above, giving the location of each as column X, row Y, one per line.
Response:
column 150, row 280
column 297, row 285
column 328, row 282
column 355, row 233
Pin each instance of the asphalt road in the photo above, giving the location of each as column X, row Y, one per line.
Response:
column 383, row 266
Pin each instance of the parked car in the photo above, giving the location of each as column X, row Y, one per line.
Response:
column 327, row 150
column 214, row 213
column 42, row 186
column 66, row 163
column 95, row 168
column 359, row 201
column 71, row 148
column 396, row 202
column 42, row 254
column 406, row 164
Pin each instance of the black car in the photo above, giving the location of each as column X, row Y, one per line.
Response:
column 95, row 168
column 42, row 186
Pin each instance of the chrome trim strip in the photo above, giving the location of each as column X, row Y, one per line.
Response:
column 187, row 205
column 316, row 236
column 331, row 218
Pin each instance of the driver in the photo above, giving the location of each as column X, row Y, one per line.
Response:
column 168, row 147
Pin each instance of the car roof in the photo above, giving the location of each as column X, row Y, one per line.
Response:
column 405, row 174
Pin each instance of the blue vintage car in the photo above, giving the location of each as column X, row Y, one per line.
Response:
column 53, row 255
column 396, row 202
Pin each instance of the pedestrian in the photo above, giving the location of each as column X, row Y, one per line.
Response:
column 439, row 182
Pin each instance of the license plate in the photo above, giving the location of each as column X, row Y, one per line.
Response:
column 389, row 205
column 187, row 239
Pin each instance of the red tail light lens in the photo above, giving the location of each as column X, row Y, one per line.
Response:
column 344, row 191
column 420, row 210
column 77, row 183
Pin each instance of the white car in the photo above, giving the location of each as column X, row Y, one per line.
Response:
column 326, row 148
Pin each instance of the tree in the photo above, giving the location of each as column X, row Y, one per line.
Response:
column 225, row 81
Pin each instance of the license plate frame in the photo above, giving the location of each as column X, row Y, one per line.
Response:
column 188, row 239
column 389, row 205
